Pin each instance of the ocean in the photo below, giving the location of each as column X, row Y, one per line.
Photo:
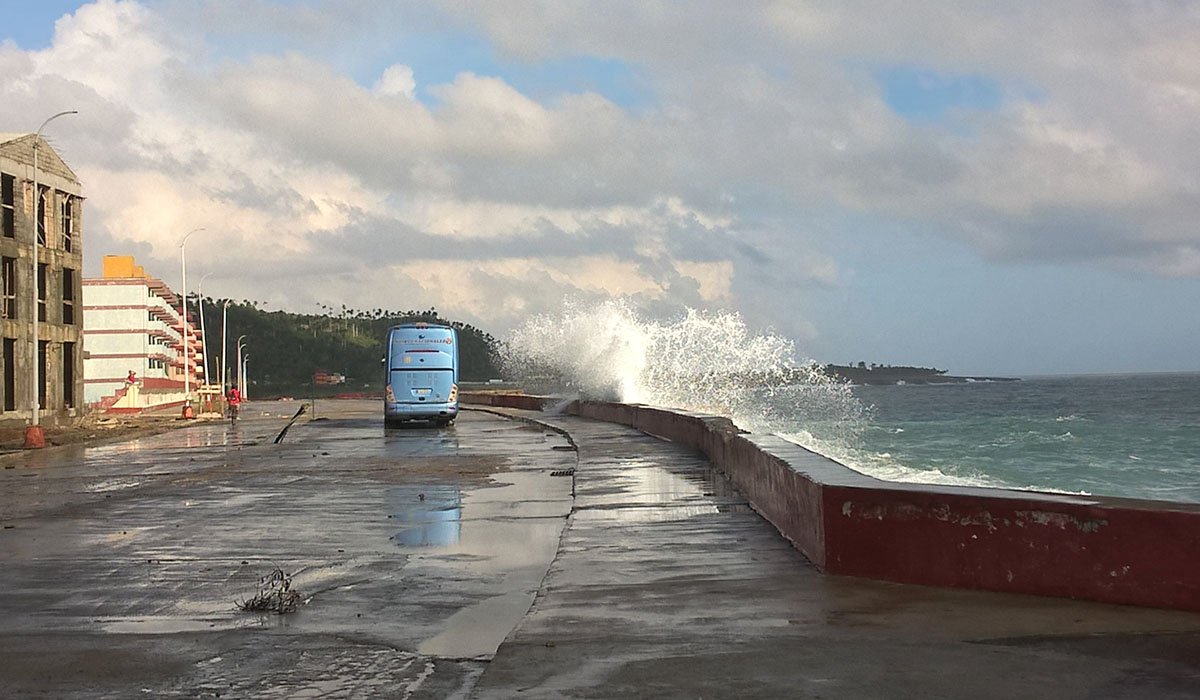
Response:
column 1129, row 435
column 1132, row 436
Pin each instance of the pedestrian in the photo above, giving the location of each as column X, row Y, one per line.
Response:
column 233, row 397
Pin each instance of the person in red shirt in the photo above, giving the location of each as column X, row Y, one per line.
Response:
column 233, row 397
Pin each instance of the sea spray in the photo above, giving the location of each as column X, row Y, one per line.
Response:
column 706, row 361
column 1128, row 435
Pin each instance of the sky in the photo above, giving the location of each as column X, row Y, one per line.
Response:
column 988, row 188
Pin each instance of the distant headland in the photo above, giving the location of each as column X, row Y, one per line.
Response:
column 862, row 373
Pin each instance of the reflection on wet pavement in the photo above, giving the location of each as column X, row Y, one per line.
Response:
column 427, row 515
column 641, row 490
column 432, row 541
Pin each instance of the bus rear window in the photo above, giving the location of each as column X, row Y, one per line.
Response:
column 423, row 359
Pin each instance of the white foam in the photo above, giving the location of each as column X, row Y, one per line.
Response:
column 706, row 361
column 709, row 362
column 883, row 465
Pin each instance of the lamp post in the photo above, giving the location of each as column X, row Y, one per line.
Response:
column 187, row 372
column 237, row 377
column 224, row 345
column 203, row 332
column 244, row 391
column 208, row 400
column 33, row 434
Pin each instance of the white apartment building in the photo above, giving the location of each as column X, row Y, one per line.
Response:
column 134, row 340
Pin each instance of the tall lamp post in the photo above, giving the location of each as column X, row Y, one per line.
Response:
column 224, row 345
column 203, row 332
column 204, row 336
column 244, row 391
column 34, row 437
column 237, row 378
column 187, row 372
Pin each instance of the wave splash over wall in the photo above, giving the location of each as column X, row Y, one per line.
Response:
column 706, row 361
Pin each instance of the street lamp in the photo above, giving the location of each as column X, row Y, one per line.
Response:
column 224, row 344
column 237, row 378
column 187, row 372
column 237, row 369
column 33, row 435
column 245, row 381
column 203, row 332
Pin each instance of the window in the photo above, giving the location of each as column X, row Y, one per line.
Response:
column 42, row 200
column 43, row 347
column 68, row 296
column 41, row 291
column 8, row 270
column 10, row 374
column 8, row 209
column 66, row 220
column 68, row 374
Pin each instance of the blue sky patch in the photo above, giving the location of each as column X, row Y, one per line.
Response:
column 437, row 58
column 925, row 96
column 31, row 24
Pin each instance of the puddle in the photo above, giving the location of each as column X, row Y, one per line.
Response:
column 427, row 515
column 648, row 492
column 501, row 537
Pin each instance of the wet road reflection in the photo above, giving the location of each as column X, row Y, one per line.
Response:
column 431, row 541
column 428, row 515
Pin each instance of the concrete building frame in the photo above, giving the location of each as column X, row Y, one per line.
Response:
column 59, row 211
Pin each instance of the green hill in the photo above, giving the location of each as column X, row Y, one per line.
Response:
column 285, row 349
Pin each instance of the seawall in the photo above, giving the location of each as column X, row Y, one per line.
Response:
column 1111, row 550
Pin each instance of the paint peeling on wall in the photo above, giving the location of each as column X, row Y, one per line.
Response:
column 1061, row 521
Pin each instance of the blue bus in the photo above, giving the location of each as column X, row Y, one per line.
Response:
column 422, row 374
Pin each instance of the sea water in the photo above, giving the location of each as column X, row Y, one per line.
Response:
column 1131, row 435
column 1135, row 436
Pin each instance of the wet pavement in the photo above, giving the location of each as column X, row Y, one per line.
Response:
column 491, row 560
column 415, row 552
column 667, row 585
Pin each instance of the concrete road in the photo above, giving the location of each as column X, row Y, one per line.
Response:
column 460, row 564
column 415, row 551
column 667, row 585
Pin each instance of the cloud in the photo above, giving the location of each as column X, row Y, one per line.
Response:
column 304, row 139
column 397, row 80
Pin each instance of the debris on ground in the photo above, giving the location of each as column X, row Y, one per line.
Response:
column 90, row 428
column 275, row 595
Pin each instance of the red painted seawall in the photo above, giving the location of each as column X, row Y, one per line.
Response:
column 1093, row 548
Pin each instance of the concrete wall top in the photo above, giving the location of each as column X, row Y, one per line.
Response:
column 816, row 466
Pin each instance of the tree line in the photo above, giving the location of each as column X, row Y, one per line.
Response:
column 285, row 349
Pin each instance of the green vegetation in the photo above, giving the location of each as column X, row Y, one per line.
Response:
column 286, row 349
column 862, row 373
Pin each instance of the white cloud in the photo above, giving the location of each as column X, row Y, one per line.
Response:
column 397, row 80
column 758, row 113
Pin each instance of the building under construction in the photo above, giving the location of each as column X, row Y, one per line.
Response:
column 57, row 209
